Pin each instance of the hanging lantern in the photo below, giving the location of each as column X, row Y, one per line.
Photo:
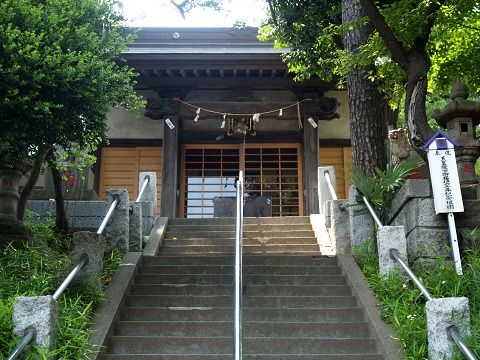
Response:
column 240, row 128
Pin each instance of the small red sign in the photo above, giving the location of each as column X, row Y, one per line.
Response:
column 69, row 178
column 468, row 169
column 8, row 182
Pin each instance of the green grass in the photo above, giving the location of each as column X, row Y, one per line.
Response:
column 403, row 306
column 38, row 271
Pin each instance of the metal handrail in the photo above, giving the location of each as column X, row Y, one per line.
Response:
column 372, row 212
column 452, row 330
column 81, row 263
column 237, row 343
column 30, row 332
column 330, row 186
column 396, row 256
column 83, row 260
column 455, row 335
column 110, row 211
column 144, row 186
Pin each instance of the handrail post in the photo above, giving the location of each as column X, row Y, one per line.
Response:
column 142, row 189
column 238, row 270
column 372, row 212
column 333, row 193
column 117, row 230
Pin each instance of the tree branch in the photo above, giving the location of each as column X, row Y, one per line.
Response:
column 422, row 39
column 180, row 7
column 399, row 53
column 272, row 11
column 32, row 179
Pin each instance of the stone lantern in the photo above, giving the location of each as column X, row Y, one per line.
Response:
column 460, row 117
column 11, row 230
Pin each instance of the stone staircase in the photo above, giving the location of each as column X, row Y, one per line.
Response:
column 297, row 303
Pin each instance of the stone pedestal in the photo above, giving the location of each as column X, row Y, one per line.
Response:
column 92, row 245
column 40, row 313
column 117, row 230
column 361, row 222
column 441, row 314
column 427, row 233
column 388, row 238
column 11, row 230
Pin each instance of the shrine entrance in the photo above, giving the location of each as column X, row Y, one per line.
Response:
column 272, row 171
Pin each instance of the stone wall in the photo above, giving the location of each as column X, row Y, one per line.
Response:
column 426, row 232
column 83, row 215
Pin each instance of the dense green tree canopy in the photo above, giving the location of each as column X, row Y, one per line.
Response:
column 59, row 74
column 413, row 40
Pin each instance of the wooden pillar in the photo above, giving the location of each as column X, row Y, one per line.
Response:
column 310, row 166
column 171, row 137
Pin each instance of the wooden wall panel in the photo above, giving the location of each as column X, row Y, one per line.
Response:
column 340, row 158
column 120, row 167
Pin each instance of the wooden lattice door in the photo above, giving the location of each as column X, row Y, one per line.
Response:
column 271, row 170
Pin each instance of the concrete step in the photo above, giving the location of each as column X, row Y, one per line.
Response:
column 174, row 328
column 348, row 315
column 250, row 329
column 297, row 345
column 170, row 345
column 247, row 249
column 249, row 290
column 176, row 260
column 288, row 220
column 247, row 221
column 310, row 260
column 312, row 302
column 246, row 357
column 259, row 233
column 186, row 241
column 252, row 279
column 223, row 345
column 246, row 227
column 248, row 269
column 181, row 289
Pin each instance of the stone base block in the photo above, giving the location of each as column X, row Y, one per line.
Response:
column 340, row 229
column 135, row 228
column 41, row 314
column 441, row 314
column 388, row 238
column 15, row 233
column 93, row 245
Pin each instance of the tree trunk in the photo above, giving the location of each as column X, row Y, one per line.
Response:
column 367, row 127
column 415, row 98
column 61, row 221
column 32, row 180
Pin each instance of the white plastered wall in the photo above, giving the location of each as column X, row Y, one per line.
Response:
column 123, row 124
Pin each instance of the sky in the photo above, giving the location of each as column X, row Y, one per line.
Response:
column 161, row 13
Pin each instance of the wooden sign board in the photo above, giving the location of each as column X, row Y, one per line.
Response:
column 447, row 195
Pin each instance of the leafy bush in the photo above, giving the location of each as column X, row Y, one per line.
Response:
column 380, row 190
column 403, row 306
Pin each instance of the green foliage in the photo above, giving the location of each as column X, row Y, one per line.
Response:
column 477, row 168
column 60, row 74
column 403, row 306
column 39, row 271
column 312, row 31
column 380, row 190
